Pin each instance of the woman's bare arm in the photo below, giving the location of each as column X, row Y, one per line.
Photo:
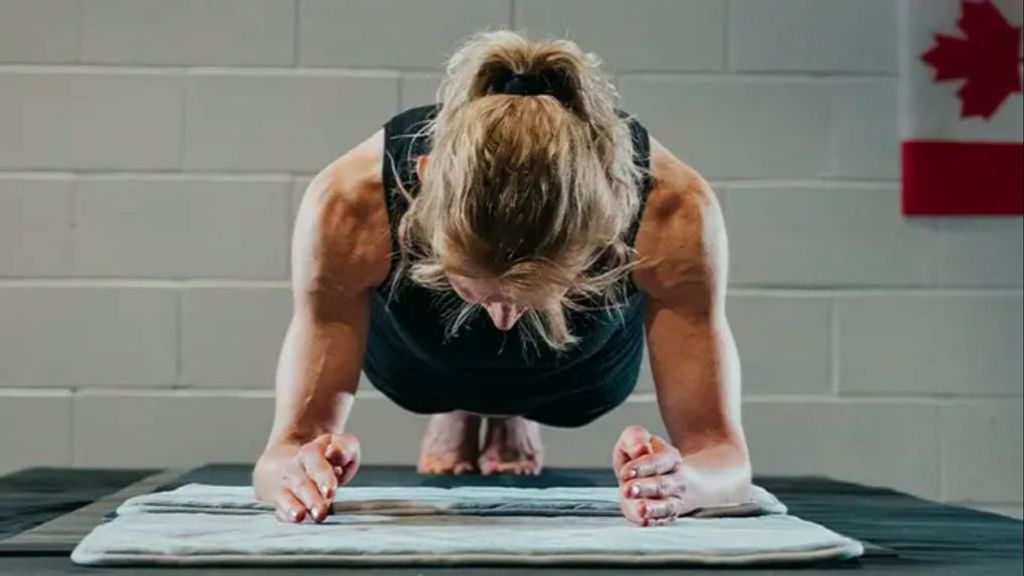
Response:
column 692, row 352
column 340, row 252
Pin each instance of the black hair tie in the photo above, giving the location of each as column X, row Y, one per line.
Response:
column 533, row 84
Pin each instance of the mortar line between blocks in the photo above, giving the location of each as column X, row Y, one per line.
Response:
column 55, row 390
column 247, row 175
column 116, row 282
column 176, row 392
column 358, row 70
column 740, row 290
column 156, row 174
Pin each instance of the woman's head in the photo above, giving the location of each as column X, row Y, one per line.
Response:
column 521, row 195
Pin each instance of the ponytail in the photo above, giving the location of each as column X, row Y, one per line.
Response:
column 531, row 179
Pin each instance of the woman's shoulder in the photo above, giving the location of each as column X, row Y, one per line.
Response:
column 681, row 237
column 341, row 231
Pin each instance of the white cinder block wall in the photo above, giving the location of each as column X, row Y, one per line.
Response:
column 152, row 154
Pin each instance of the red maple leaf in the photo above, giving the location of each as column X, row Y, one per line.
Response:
column 987, row 58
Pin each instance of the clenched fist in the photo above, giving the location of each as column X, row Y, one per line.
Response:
column 652, row 478
column 300, row 481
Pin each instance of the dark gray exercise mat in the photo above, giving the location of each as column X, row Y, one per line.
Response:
column 930, row 538
column 31, row 497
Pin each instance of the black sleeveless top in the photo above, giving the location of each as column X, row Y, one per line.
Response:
column 482, row 369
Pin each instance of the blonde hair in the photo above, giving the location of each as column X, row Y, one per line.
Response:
column 529, row 190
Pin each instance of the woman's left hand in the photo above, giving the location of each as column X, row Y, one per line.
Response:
column 652, row 478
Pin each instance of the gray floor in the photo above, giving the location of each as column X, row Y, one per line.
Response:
column 928, row 538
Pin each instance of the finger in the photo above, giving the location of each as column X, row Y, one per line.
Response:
column 669, row 508
column 343, row 452
column 664, row 509
column 303, row 488
column 287, row 507
column 619, row 459
column 339, row 449
column 660, row 521
column 662, row 486
column 635, row 441
column 653, row 512
column 633, row 510
column 655, row 464
column 319, row 470
column 339, row 453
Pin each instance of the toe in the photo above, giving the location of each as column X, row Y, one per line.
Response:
column 463, row 468
column 431, row 466
column 512, row 467
column 488, row 467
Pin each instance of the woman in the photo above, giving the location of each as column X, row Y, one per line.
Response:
column 527, row 194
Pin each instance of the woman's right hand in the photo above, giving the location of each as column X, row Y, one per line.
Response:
column 300, row 481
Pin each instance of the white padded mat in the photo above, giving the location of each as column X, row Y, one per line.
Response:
column 202, row 524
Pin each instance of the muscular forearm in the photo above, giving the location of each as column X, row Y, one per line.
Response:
column 683, row 248
column 697, row 378
column 315, row 390
column 317, row 378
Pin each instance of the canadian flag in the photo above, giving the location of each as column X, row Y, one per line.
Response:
column 961, row 106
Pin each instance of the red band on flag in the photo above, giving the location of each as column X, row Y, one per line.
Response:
column 942, row 178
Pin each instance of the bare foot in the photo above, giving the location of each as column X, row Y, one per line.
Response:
column 450, row 444
column 511, row 446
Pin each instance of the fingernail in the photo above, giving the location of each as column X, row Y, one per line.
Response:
column 316, row 512
column 634, row 491
column 325, row 490
column 294, row 515
column 631, row 473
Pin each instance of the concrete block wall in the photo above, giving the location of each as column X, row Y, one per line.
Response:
column 152, row 154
